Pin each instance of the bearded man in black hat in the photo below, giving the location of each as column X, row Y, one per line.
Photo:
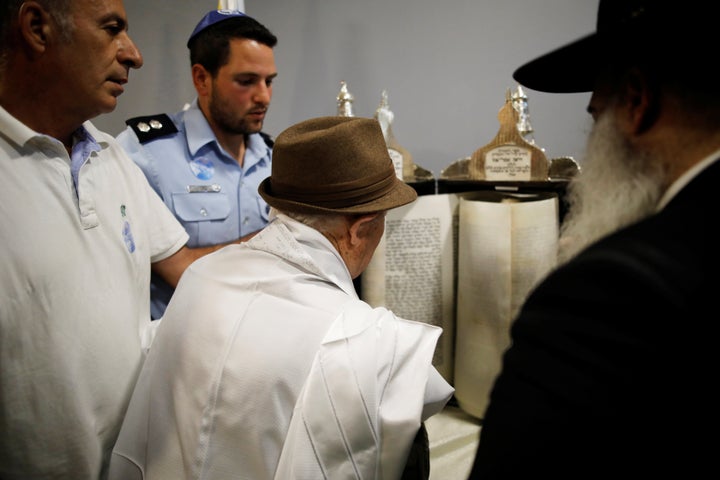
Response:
column 610, row 371
column 267, row 363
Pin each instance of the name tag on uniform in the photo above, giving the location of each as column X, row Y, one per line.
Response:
column 214, row 188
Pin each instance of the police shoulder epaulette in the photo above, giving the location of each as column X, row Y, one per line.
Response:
column 151, row 127
column 268, row 139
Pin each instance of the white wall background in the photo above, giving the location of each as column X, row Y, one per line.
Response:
column 445, row 64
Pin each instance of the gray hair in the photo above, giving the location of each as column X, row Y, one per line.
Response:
column 322, row 222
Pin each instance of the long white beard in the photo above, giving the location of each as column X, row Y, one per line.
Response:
column 616, row 187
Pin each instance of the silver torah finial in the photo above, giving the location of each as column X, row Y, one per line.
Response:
column 520, row 104
column 345, row 101
column 384, row 115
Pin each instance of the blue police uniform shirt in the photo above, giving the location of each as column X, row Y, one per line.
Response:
column 214, row 198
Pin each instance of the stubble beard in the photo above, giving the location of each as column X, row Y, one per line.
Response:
column 617, row 186
column 227, row 120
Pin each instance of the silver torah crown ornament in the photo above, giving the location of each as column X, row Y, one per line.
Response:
column 384, row 116
column 345, row 101
column 520, row 103
column 405, row 167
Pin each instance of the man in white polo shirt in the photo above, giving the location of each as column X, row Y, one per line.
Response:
column 81, row 230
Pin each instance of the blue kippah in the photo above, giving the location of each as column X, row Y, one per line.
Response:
column 213, row 17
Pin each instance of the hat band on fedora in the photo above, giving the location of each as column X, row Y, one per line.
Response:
column 336, row 195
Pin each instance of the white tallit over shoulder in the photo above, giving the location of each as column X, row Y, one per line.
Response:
column 370, row 386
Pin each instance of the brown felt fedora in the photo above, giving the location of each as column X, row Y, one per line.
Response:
column 335, row 165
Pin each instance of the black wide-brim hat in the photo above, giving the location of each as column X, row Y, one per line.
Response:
column 334, row 165
column 625, row 28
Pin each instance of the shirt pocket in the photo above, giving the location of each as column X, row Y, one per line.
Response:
column 201, row 206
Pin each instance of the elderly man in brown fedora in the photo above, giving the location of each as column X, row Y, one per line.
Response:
column 267, row 364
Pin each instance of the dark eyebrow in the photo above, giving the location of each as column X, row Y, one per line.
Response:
column 253, row 75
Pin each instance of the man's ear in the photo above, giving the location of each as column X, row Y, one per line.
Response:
column 359, row 227
column 35, row 27
column 641, row 100
column 201, row 79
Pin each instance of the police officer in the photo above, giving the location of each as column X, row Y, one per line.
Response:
column 207, row 161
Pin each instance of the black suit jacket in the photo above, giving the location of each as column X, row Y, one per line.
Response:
column 612, row 370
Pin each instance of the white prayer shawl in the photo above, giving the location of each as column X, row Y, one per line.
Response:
column 328, row 438
column 267, row 365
